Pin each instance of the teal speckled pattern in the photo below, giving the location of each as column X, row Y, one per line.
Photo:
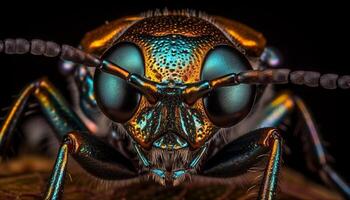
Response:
column 174, row 49
column 171, row 56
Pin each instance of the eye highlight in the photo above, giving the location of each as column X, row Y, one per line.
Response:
column 228, row 105
column 117, row 99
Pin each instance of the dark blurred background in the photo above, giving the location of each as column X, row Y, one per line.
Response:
column 310, row 37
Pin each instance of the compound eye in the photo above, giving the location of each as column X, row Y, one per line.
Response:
column 228, row 105
column 117, row 99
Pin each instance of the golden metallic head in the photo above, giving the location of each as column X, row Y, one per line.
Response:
column 174, row 51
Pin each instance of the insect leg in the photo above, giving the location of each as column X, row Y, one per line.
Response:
column 236, row 158
column 268, row 187
column 274, row 114
column 96, row 157
column 317, row 155
column 53, row 105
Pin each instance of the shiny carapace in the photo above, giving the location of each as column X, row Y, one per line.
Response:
column 172, row 97
column 174, row 51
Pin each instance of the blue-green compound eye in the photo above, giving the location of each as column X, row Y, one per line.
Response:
column 117, row 99
column 228, row 105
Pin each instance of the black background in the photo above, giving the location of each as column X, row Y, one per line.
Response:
column 310, row 37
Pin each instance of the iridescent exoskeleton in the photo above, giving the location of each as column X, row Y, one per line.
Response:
column 189, row 93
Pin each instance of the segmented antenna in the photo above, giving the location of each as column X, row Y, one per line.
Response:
column 192, row 91
column 48, row 49
column 268, row 76
column 67, row 52
column 283, row 76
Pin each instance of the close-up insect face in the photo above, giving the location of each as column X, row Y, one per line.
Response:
column 176, row 98
column 175, row 51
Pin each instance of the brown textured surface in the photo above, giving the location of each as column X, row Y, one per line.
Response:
column 26, row 179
